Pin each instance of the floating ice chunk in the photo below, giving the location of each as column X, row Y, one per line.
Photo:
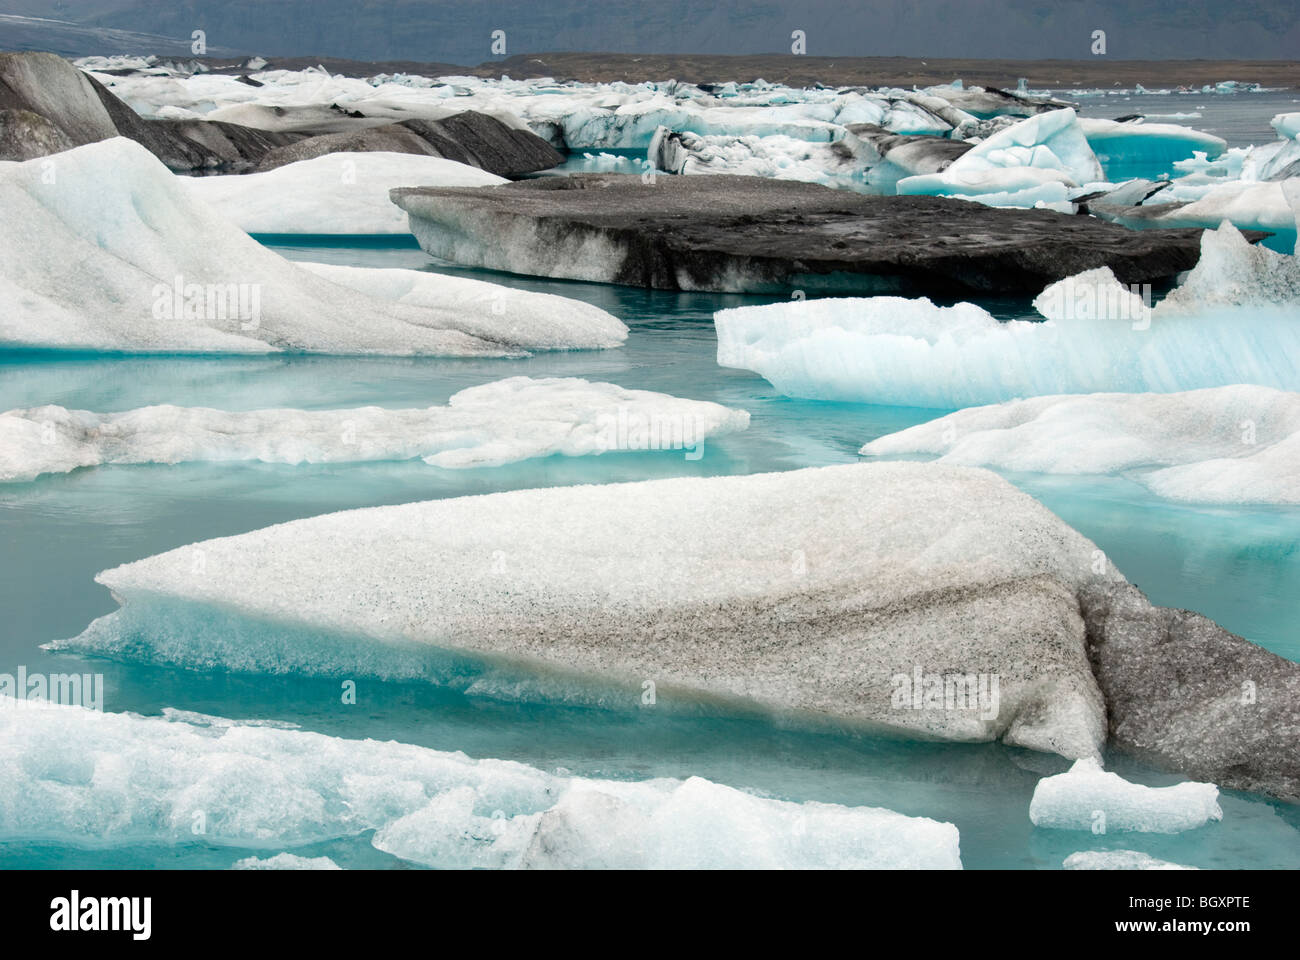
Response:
column 115, row 254
column 890, row 350
column 1136, row 149
column 1237, row 444
column 339, row 193
column 1118, row 860
column 1047, row 148
column 813, row 593
column 1287, row 125
column 286, row 861
column 1249, row 206
column 779, row 157
column 488, row 425
column 486, row 311
column 85, row 777
column 1232, row 272
column 1089, row 798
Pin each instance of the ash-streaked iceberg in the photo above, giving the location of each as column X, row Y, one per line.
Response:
column 115, row 254
column 816, row 594
column 1089, row 798
column 488, row 425
column 338, row 193
column 1235, row 444
column 87, row 778
column 919, row 599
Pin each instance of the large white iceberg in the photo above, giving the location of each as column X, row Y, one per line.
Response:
column 83, row 777
column 1089, row 798
column 338, row 193
column 1237, row 444
column 487, row 425
column 925, row 599
column 114, row 253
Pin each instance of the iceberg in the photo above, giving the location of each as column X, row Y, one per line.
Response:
column 487, row 425
column 338, row 193
column 116, row 254
column 286, row 861
column 921, row 600
column 1270, row 206
column 1089, row 798
column 1118, row 860
column 1024, row 160
column 85, row 778
column 813, row 594
column 754, row 234
column 1236, row 444
column 890, row 350
column 1234, row 273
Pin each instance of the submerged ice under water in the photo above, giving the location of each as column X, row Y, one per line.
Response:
column 1238, row 565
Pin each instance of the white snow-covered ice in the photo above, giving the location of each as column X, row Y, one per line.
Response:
column 81, row 776
column 487, row 425
column 1235, row 444
column 116, row 254
column 338, row 193
column 1089, row 798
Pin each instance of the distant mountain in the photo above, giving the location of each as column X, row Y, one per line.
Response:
column 461, row 31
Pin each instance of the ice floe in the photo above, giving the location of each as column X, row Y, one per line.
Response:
column 339, row 193
column 816, row 594
column 1118, row 860
column 909, row 352
column 1089, row 798
column 1029, row 162
column 286, row 861
column 84, row 777
column 116, row 254
column 1234, row 444
column 487, row 425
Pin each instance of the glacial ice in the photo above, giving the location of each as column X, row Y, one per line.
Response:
column 1234, row 273
column 1235, row 444
column 487, row 425
column 1271, row 206
column 86, row 777
column 1089, row 798
column 483, row 310
column 286, row 861
column 116, row 254
column 1020, row 161
column 808, row 593
column 890, row 350
column 1118, row 860
column 339, row 193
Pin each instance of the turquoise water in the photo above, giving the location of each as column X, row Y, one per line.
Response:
column 1239, row 566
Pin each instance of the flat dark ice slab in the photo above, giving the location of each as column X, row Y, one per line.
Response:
column 733, row 233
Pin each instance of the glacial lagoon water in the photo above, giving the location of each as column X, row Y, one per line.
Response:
column 1238, row 566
